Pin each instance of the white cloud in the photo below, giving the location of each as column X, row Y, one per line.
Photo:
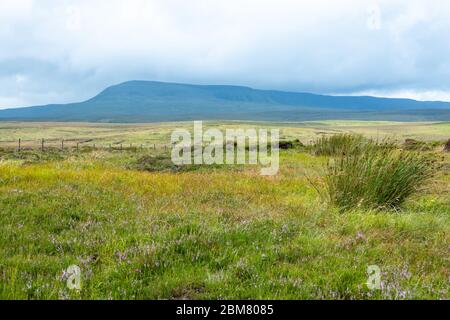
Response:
column 421, row 95
column 72, row 49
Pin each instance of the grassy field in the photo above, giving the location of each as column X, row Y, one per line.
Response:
column 219, row 232
column 148, row 134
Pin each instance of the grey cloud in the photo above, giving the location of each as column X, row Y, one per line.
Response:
column 69, row 50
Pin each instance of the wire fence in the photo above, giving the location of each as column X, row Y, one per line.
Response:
column 76, row 145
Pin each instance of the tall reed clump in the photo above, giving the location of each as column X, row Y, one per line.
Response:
column 338, row 144
column 376, row 177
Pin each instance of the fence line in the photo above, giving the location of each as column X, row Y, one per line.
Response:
column 62, row 145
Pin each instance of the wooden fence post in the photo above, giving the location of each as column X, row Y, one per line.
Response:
column 62, row 145
column 42, row 145
column 19, row 144
column 77, row 145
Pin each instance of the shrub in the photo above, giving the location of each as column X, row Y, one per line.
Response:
column 447, row 146
column 164, row 163
column 290, row 144
column 376, row 177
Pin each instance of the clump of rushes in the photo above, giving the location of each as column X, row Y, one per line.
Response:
column 377, row 177
column 338, row 144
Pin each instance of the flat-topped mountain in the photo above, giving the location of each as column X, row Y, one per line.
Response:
column 148, row 101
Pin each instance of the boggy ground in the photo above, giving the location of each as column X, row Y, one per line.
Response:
column 208, row 232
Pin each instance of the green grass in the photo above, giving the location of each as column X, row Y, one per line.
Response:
column 375, row 176
column 148, row 134
column 338, row 144
column 223, row 232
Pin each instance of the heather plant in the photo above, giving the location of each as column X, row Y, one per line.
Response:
column 137, row 227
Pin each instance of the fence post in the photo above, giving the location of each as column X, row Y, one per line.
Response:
column 19, row 144
column 120, row 147
column 110, row 147
column 42, row 145
column 62, row 145
column 77, row 145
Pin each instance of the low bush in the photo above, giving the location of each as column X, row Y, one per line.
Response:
column 290, row 144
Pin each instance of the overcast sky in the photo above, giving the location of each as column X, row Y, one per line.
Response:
column 55, row 51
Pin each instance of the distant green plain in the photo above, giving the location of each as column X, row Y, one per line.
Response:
column 159, row 133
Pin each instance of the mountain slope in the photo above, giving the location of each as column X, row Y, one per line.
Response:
column 147, row 101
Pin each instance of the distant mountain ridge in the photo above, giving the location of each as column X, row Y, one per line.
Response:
column 151, row 101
